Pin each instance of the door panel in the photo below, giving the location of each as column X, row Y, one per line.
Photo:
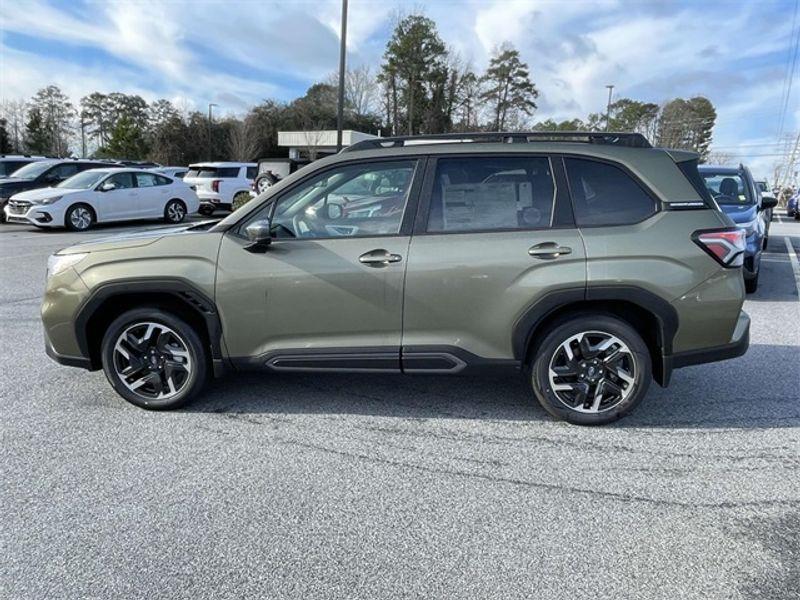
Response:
column 468, row 290
column 310, row 294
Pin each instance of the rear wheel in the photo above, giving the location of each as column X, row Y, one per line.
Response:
column 154, row 359
column 206, row 210
column 591, row 370
column 79, row 217
column 174, row 211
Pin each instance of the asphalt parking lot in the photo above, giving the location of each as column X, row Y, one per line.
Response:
column 356, row 486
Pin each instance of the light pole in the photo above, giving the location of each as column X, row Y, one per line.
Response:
column 210, row 155
column 342, row 53
column 608, row 105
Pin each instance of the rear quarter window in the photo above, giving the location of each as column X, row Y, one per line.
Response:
column 603, row 194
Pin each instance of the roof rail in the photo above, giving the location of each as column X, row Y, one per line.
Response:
column 630, row 140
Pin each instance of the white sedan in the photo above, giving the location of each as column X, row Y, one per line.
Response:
column 102, row 196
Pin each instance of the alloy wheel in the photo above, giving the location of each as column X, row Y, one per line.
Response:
column 592, row 372
column 175, row 212
column 80, row 218
column 152, row 360
column 262, row 185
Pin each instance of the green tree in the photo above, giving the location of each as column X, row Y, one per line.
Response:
column 127, row 140
column 687, row 124
column 626, row 114
column 5, row 142
column 415, row 56
column 37, row 136
column 551, row 125
column 508, row 87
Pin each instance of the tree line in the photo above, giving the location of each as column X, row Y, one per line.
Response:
column 421, row 86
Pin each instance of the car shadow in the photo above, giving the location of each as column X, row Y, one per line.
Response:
column 753, row 391
column 143, row 224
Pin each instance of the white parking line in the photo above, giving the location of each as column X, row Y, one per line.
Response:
column 795, row 263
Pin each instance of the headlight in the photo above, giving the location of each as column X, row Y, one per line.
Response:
column 58, row 263
column 49, row 200
column 750, row 226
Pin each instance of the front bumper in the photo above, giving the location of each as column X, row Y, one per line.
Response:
column 740, row 341
column 68, row 361
column 35, row 214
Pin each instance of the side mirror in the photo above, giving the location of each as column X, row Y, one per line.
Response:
column 259, row 234
column 108, row 186
column 768, row 202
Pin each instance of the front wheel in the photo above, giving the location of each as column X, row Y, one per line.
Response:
column 174, row 211
column 751, row 285
column 591, row 370
column 79, row 217
column 153, row 359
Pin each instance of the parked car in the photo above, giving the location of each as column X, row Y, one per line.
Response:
column 608, row 266
column 43, row 173
column 734, row 190
column 102, row 196
column 793, row 205
column 138, row 164
column 280, row 168
column 11, row 162
column 218, row 184
column 174, row 172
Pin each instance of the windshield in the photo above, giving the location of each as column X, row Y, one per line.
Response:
column 83, row 181
column 726, row 188
column 32, row 170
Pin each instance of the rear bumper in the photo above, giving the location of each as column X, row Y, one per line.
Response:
column 738, row 345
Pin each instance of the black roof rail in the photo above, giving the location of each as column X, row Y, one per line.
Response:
column 630, row 140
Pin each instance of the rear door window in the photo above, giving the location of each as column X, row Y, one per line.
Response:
column 491, row 194
column 252, row 172
column 603, row 194
column 145, row 180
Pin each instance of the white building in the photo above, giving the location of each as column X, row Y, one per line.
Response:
column 313, row 144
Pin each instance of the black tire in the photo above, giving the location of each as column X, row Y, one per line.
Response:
column 751, row 285
column 175, row 211
column 636, row 363
column 187, row 383
column 75, row 219
column 206, row 210
column 262, row 182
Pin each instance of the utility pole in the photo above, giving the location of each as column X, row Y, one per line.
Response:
column 342, row 53
column 210, row 155
column 608, row 105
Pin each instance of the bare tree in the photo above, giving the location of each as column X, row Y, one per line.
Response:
column 243, row 140
column 723, row 159
column 15, row 113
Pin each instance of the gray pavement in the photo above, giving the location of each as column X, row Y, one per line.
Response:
column 356, row 486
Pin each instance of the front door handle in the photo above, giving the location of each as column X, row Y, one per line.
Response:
column 548, row 250
column 379, row 258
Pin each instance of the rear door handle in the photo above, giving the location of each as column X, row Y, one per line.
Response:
column 548, row 250
column 379, row 258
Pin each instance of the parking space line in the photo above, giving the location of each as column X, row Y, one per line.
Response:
column 795, row 263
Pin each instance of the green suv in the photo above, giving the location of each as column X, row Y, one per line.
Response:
column 590, row 263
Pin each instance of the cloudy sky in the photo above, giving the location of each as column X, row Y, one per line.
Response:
column 237, row 52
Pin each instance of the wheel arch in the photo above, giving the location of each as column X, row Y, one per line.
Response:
column 177, row 296
column 653, row 317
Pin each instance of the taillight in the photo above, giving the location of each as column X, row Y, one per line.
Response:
column 215, row 185
column 726, row 246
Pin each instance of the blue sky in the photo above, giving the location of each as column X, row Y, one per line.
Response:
column 239, row 52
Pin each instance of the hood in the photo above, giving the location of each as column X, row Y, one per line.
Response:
column 740, row 213
column 8, row 184
column 42, row 193
column 135, row 239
